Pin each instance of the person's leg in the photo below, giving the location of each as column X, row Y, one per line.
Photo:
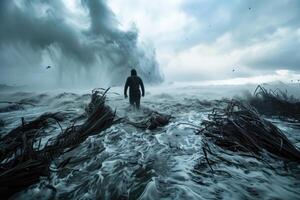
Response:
column 131, row 100
column 138, row 100
column 134, row 102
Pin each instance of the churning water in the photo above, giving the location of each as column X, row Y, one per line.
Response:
column 124, row 162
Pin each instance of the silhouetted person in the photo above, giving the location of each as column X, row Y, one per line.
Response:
column 134, row 83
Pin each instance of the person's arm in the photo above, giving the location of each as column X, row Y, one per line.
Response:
column 142, row 86
column 126, row 87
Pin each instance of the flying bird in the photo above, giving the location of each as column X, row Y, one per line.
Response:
column 48, row 67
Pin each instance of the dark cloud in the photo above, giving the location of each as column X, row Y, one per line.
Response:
column 22, row 25
column 39, row 29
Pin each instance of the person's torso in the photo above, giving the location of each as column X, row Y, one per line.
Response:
column 134, row 85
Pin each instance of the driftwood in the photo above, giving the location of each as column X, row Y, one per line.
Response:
column 239, row 127
column 275, row 103
column 22, row 164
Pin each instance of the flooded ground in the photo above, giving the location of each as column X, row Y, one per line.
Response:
column 168, row 163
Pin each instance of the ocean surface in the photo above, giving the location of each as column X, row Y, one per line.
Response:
column 125, row 162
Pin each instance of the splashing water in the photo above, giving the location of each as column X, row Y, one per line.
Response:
column 168, row 163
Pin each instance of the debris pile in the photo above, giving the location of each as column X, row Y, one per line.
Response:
column 275, row 103
column 23, row 160
column 238, row 127
column 153, row 121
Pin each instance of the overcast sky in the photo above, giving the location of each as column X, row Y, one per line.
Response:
column 194, row 40
column 214, row 39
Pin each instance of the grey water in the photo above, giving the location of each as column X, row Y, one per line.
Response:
column 125, row 162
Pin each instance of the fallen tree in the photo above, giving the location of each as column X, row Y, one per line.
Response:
column 238, row 127
column 22, row 164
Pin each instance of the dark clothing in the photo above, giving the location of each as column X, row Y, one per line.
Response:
column 135, row 100
column 134, row 83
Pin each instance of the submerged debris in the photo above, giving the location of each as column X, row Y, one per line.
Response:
column 22, row 102
column 13, row 106
column 22, row 163
column 152, row 121
column 275, row 103
column 238, row 127
column 95, row 100
column 158, row 120
column 2, row 123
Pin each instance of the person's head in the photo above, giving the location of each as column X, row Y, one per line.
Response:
column 133, row 72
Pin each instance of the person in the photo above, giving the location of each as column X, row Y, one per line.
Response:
column 134, row 82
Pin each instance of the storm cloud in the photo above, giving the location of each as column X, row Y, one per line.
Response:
column 80, row 49
column 267, row 33
column 100, row 41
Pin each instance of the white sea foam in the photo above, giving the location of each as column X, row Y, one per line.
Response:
column 168, row 163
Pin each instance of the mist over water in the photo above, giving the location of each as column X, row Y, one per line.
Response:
column 82, row 48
